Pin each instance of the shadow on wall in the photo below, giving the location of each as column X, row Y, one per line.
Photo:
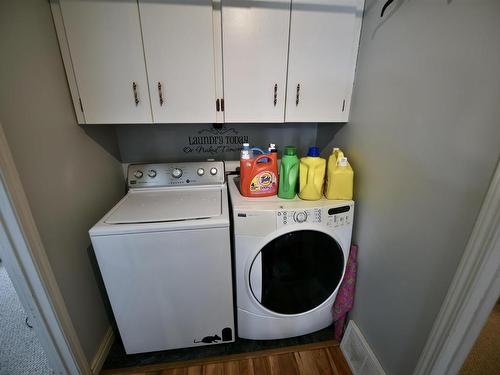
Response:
column 325, row 137
column 392, row 9
column 105, row 136
column 102, row 288
column 386, row 8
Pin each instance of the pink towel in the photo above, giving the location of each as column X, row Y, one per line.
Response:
column 345, row 296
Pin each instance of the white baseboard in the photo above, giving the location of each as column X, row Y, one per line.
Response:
column 102, row 351
column 358, row 353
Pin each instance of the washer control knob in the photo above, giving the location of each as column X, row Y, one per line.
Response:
column 213, row 171
column 300, row 217
column 177, row 172
column 200, row 171
column 138, row 174
column 152, row 173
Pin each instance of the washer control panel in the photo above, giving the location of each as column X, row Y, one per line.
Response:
column 330, row 216
column 174, row 174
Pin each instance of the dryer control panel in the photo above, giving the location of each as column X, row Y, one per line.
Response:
column 339, row 216
column 299, row 216
column 330, row 216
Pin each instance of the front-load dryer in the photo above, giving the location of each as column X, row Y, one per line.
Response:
column 290, row 258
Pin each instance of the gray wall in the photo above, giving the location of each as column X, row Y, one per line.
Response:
column 424, row 140
column 70, row 180
column 188, row 142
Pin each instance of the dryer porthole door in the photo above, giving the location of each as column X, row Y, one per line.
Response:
column 297, row 271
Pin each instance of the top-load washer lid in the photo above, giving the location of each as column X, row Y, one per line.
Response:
column 158, row 205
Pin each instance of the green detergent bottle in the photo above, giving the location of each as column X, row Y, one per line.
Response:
column 289, row 173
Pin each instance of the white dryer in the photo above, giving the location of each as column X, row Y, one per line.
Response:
column 290, row 257
column 165, row 258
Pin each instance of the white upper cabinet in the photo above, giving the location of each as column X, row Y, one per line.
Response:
column 180, row 54
column 208, row 61
column 255, row 49
column 104, row 40
column 324, row 37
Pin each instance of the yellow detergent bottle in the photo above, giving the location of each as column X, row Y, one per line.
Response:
column 340, row 180
column 312, row 175
column 330, row 167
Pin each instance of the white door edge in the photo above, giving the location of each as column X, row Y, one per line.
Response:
column 472, row 294
column 26, row 262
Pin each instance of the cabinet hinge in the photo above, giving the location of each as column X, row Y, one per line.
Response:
column 217, row 105
column 222, row 105
column 343, row 105
column 81, row 105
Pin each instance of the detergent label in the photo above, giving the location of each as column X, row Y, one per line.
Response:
column 263, row 182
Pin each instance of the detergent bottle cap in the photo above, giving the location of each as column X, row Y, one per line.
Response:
column 335, row 149
column 343, row 162
column 245, row 154
column 313, row 151
column 290, row 150
column 246, row 146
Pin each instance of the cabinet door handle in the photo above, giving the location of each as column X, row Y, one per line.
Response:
column 136, row 95
column 297, row 97
column 160, row 93
column 275, row 94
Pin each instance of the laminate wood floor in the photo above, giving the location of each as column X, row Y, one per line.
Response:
column 324, row 358
column 484, row 358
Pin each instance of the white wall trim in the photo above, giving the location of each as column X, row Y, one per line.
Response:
column 102, row 351
column 473, row 293
column 28, row 267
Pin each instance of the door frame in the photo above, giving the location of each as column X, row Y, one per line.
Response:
column 28, row 267
column 472, row 294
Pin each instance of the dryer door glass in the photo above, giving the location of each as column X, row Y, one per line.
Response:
column 297, row 271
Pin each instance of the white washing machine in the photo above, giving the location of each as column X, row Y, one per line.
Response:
column 290, row 257
column 165, row 258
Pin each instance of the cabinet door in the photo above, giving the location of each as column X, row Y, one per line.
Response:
column 179, row 49
column 324, row 37
column 255, row 49
column 104, row 39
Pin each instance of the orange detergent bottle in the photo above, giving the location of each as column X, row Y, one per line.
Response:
column 259, row 176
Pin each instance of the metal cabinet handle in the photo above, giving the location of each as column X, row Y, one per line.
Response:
column 136, row 95
column 297, row 97
column 160, row 93
column 275, row 94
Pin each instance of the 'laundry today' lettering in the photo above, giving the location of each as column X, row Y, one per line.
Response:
column 206, row 140
column 218, row 140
